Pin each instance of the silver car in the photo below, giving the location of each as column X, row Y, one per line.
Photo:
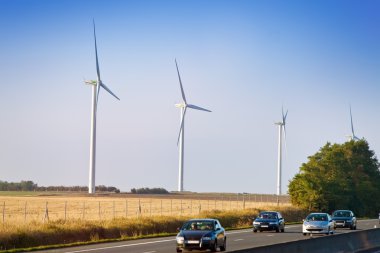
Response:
column 318, row 223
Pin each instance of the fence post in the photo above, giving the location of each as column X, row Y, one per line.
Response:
column 139, row 209
column 65, row 209
column 4, row 212
column 25, row 211
column 113, row 209
column 126, row 208
column 99, row 211
column 46, row 217
column 83, row 210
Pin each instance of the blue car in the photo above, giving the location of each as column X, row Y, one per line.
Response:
column 344, row 219
column 268, row 221
column 201, row 234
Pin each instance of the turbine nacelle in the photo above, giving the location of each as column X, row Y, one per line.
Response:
column 181, row 105
column 91, row 82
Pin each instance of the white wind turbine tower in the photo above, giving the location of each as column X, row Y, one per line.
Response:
column 96, row 84
column 353, row 136
column 181, row 141
column 281, row 129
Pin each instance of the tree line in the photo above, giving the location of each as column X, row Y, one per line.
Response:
column 149, row 191
column 339, row 176
column 31, row 186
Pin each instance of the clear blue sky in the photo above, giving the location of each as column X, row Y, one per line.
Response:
column 241, row 59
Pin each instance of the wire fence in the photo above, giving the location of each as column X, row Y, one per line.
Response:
column 43, row 210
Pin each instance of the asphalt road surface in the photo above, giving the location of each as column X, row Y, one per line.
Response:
column 239, row 239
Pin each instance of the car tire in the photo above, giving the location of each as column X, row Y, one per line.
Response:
column 304, row 234
column 179, row 250
column 277, row 230
column 224, row 246
column 282, row 230
column 255, row 231
column 214, row 246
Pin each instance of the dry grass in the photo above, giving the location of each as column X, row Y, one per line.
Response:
column 36, row 234
column 29, row 220
column 26, row 209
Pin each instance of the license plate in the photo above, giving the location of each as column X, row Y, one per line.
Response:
column 264, row 226
column 192, row 242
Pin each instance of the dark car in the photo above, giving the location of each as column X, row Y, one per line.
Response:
column 201, row 234
column 269, row 220
column 344, row 219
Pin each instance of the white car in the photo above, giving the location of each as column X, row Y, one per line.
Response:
column 318, row 223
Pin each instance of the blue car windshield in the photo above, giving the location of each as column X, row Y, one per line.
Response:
column 198, row 225
column 341, row 214
column 269, row 216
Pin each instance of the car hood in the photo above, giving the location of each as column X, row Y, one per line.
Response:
column 316, row 223
column 265, row 220
column 194, row 234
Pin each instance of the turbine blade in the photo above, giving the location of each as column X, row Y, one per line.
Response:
column 180, row 83
column 284, row 116
column 97, row 66
column 198, row 108
column 107, row 89
column 96, row 53
column 182, row 124
column 352, row 125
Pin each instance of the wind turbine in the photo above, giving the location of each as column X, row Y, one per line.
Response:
column 353, row 136
column 281, row 128
column 181, row 141
column 96, row 84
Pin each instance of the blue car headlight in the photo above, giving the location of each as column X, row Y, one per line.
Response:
column 180, row 239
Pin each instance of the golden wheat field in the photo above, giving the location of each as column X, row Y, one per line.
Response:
column 24, row 209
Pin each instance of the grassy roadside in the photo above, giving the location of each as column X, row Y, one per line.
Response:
column 37, row 236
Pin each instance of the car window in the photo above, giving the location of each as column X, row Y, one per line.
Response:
column 198, row 225
column 317, row 217
column 268, row 215
column 341, row 214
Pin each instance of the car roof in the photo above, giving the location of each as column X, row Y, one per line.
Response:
column 206, row 219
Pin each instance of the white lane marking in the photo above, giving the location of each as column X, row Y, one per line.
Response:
column 149, row 251
column 250, row 230
column 238, row 240
column 270, row 235
column 120, row 246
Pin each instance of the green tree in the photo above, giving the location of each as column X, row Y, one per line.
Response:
column 339, row 176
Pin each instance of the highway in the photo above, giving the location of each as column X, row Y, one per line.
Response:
column 239, row 239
